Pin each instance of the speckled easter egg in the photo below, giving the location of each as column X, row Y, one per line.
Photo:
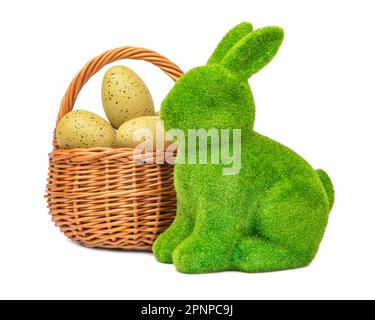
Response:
column 142, row 129
column 125, row 96
column 84, row 129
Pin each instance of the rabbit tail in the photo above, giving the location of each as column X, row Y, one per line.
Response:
column 328, row 186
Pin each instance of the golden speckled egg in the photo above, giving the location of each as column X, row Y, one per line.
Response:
column 84, row 129
column 140, row 130
column 125, row 96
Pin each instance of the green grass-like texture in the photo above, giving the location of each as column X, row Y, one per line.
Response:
column 273, row 214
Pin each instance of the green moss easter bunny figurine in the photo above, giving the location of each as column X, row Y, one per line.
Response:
column 273, row 213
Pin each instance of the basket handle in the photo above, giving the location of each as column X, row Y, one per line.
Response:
column 93, row 66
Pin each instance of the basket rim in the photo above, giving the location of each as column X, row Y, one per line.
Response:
column 119, row 154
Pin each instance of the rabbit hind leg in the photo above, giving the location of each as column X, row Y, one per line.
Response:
column 261, row 255
column 290, row 223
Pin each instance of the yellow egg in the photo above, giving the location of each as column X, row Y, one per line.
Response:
column 84, row 129
column 146, row 130
column 125, row 96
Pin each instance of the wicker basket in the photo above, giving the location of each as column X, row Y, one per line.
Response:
column 101, row 197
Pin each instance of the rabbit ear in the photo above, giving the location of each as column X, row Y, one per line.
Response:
column 254, row 51
column 229, row 40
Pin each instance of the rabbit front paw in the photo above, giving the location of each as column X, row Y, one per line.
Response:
column 162, row 249
column 197, row 256
column 166, row 243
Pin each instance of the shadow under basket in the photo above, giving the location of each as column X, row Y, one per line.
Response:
column 103, row 197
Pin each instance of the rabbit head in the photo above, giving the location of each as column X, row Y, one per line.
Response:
column 218, row 95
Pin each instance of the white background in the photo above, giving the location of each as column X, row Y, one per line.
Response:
column 317, row 97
